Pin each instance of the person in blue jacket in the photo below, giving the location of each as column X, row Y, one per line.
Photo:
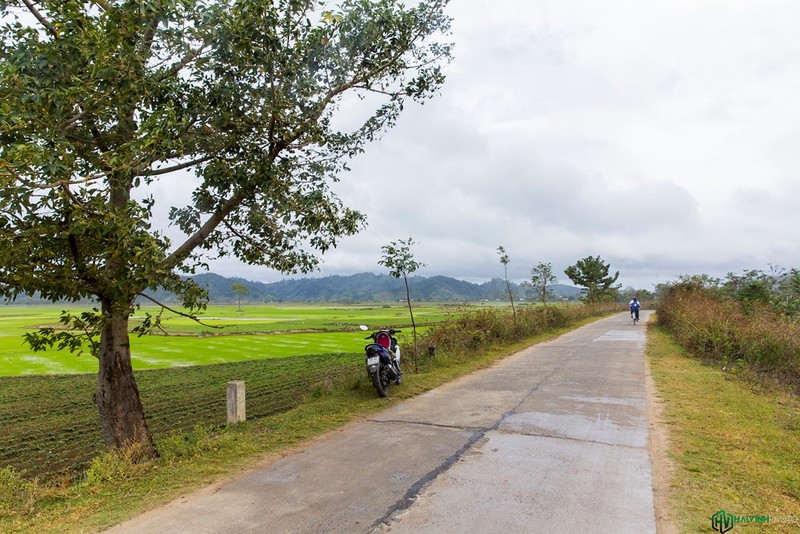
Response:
column 635, row 307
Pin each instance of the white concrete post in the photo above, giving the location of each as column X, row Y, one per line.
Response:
column 236, row 404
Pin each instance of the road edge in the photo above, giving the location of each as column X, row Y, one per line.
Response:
column 658, row 449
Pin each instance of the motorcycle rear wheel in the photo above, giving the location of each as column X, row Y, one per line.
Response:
column 381, row 382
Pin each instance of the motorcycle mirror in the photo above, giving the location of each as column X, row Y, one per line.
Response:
column 363, row 327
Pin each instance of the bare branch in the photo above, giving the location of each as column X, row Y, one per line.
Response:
column 182, row 314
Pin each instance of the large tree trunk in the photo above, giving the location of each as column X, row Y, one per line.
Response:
column 117, row 398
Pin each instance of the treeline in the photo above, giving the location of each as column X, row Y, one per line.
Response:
column 748, row 322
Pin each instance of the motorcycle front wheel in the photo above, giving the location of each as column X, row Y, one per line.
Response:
column 381, row 381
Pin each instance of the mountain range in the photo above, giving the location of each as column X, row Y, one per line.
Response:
column 364, row 287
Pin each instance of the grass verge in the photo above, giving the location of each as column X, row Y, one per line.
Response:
column 115, row 489
column 734, row 443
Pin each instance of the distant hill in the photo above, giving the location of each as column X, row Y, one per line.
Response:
column 363, row 287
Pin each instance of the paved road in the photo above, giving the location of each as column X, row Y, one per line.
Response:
column 553, row 439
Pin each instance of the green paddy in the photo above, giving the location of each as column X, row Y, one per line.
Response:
column 225, row 335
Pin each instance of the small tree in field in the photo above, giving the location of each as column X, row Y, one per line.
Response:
column 510, row 294
column 541, row 277
column 591, row 273
column 240, row 290
column 236, row 100
column 398, row 258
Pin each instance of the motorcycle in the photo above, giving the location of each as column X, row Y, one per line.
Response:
column 383, row 359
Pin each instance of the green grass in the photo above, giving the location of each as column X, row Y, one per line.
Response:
column 257, row 332
column 735, row 444
column 300, row 317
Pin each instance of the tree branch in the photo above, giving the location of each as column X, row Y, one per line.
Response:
column 182, row 314
column 167, row 170
column 196, row 239
column 176, row 68
column 245, row 238
column 105, row 6
column 355, row 81
column 149, row 34
column 46, row 23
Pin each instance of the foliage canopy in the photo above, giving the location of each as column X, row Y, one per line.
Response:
column 104, row 104
column 542, row 278
column 591, row 273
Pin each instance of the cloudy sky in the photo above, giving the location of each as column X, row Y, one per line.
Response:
column 663, row 136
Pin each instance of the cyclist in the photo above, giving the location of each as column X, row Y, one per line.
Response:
column 635, row 307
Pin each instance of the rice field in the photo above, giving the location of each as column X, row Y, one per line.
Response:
column 285, row 353
column 224, row 335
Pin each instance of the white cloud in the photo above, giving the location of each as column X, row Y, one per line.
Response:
column 659, row 135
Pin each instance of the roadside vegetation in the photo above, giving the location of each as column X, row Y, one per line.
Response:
column 725, row 356
column 733, row 442
column 749, row 325
column 317, row 394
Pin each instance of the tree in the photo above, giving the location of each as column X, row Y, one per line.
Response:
column 788, row 291
column 541, row 277
column 642, row 295
column 751, row 286
column 398, row 258
column 505, row 261
column 240, row 290
column 100, row 101
column 591, row 273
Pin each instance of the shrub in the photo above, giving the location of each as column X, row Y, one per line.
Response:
column 716, row 327
column 185, row 444
column 116, row 465
column 471, row 331
column 16, row 494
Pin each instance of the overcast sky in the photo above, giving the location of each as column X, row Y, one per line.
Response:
column 663, row 136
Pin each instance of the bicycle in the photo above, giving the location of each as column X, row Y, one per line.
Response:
column 635, row 317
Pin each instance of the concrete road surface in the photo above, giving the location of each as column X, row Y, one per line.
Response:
column 552, row 439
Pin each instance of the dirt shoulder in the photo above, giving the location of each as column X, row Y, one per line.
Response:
column 658, row 447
